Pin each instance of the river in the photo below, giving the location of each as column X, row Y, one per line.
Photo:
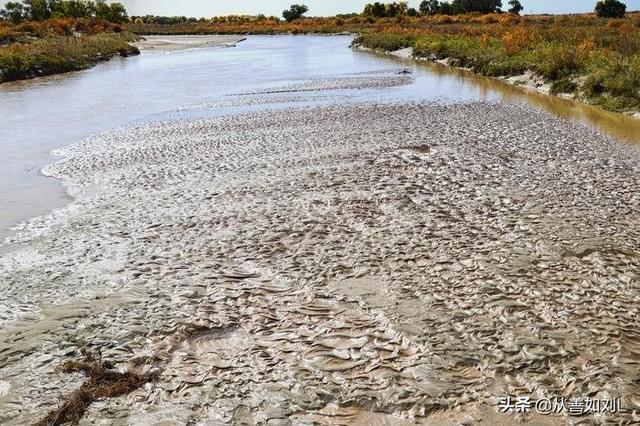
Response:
column 40, row 115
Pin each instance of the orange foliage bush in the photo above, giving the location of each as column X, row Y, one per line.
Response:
column 488, row 19
column 516, row 40
column 509, row 19
column 614, row 23
column 485, row 39
column 443, row 19
column 586, row 46
column 65, row 27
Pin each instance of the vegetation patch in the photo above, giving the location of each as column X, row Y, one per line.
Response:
column 565, row 85
column 102, row 382
column 35, row 49
column 385, row 41
column 57, row 55
column 45, row 37
column 603, row 54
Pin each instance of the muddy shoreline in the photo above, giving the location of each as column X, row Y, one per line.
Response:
column 527, row 81
column 374, row 263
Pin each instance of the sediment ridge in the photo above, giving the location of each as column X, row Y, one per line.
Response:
column 405, row 262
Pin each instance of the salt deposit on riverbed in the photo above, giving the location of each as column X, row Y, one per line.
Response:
column 338, row 264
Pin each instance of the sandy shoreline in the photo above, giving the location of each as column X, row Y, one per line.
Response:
column 374, row 263
column 181, row 42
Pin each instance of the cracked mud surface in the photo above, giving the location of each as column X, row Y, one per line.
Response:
column 363, row 264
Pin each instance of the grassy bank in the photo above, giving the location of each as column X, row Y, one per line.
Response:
column 594, row 60
column 35, row 49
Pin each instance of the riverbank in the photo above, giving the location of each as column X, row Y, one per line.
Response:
column 36, row 49
column 528, row 81
column 583, row 58
column 57, row 46
column 283, row 266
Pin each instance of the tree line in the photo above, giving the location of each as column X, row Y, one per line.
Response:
column 435, row 7
column 604, row 8
column 39, row 10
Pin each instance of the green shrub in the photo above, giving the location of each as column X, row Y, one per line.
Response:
column 564, row 85
column 556, row 61
column 61, row 54
column 593, row 86
column 618, row 103
column 384, row 41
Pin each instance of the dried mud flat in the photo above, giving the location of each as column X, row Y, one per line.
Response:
column 362, row 264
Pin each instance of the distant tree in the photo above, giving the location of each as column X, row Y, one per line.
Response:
column 57, row 8
column 81, row 9
column 481, row 6
column 14, row 12
column 102, row 10
column 446, row 8
column 295, row 12
column 377, row 10
column 430, row 7
column 117, row 13
column 389, row 10
column 610, row 9
column 412, row 12
column 516, row 7
column 38, row 10
column 433, row 7
column 395, row 9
